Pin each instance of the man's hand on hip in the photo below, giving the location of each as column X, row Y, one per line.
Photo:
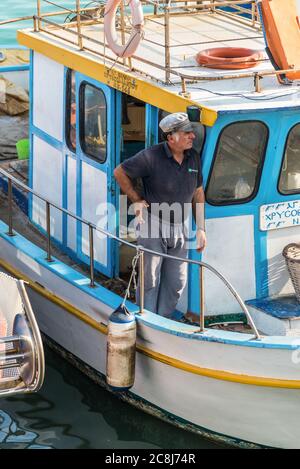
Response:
column 201, row 240
column 138, row 210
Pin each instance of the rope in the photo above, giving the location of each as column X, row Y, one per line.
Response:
column 132, row 277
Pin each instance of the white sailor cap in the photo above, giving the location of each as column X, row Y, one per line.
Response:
column 175, row 122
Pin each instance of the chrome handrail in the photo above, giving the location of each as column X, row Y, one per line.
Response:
column 138, row 248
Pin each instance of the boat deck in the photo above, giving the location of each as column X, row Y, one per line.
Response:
column 280, row 307
column 23, row 226
column 168, row 61
column 189, row 34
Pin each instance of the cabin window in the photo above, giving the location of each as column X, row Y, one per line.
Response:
column 238, row 163
column 289, row 182
column 199, row 131
column 71, row 110
column 93, row 122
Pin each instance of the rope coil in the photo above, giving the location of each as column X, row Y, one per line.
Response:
column 132, row 278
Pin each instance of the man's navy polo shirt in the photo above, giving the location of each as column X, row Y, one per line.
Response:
column 164, row 179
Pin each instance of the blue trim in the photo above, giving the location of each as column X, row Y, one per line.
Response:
column 47, row 138
column 251, row 208
column 116, row 389
column 30, row 168
column 14, row 68
column 115, row 186
column 151, row 125
column 155, row 321
column 106, row 167
column 65, row 169
column 235, row 112
column 64, row 199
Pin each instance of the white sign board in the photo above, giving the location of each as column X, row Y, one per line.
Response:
column 280, row 215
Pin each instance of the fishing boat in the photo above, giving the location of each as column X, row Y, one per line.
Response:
column 232, row 373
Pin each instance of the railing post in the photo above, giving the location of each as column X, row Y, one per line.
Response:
column 202, row 312
column 38, row 11
column 48, row 258
column 91, row 243
column 80, row 44
column 167, row 43
column 142, row 281
column 10, row 209
column 122, row 26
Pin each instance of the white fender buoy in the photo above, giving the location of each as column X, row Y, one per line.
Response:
column 121, row 343
column 110, row 27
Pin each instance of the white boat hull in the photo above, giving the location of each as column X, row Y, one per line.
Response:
column 259, row 414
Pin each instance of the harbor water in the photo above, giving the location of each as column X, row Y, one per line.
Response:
column 71, row 411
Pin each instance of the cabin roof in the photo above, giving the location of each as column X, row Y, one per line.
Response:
column 214, row 90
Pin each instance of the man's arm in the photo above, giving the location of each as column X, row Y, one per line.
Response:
column 126, row 186
column 199, row 216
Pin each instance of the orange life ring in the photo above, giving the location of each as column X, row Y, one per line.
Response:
column 230, row 58
column 110, row 27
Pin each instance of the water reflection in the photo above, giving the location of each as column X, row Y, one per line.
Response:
column 70, row 411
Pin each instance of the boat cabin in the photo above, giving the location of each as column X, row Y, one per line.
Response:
column 91, row 110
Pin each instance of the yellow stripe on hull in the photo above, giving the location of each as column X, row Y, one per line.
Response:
column 187, row 367
column 117, row 79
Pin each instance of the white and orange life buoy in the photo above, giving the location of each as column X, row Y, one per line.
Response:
column 231, row 58
column 110, row 27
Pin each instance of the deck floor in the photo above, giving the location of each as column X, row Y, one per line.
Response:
column 201, row 30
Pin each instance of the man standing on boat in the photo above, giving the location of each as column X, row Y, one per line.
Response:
column 172, row 185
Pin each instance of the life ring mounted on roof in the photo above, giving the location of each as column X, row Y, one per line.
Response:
column 230, row 58
column 110, row 27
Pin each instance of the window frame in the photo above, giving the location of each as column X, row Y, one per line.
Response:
column 259, row 172
column 68, row 84
column 82, row 88
column 292, row 192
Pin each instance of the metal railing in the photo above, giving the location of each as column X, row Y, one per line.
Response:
column 138, row 248
column 161, row 11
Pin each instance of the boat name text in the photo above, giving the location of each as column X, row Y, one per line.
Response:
column 119, row 81
column 280, row 215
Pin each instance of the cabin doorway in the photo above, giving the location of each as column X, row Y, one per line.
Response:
column 132, row 141
column 90, row 121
